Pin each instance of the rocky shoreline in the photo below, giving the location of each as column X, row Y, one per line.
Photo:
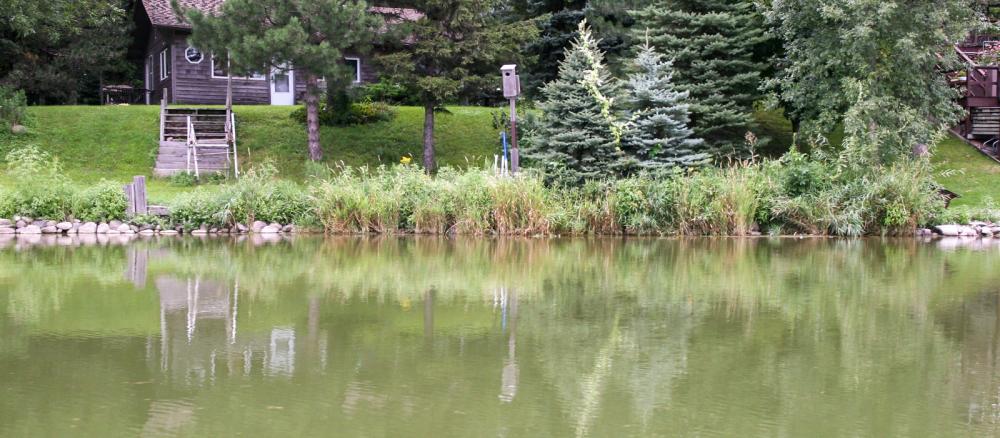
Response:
column 20, row 225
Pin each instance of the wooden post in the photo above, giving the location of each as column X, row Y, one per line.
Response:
column 139, row 195
column 163, row 114
column 129, row 200
column 515, row 153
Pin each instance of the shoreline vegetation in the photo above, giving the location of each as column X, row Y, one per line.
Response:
column 793, row 195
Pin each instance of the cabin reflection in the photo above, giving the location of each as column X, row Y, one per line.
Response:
column 200, row 337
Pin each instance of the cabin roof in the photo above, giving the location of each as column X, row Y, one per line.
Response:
column 161, row 14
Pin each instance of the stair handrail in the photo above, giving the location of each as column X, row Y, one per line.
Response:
column 192, row 141
column 236, row 159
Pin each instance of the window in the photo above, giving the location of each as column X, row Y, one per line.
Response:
column 193, row 55
column 164, row 64
column 219, row 71
column 356, row 64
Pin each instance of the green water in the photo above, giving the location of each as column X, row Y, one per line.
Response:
column 434, row 337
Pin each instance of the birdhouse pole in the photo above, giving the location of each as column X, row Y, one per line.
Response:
column 511, row 90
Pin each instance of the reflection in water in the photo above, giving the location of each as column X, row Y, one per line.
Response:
column 586, row 337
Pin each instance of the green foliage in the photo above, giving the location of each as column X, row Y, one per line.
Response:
column 874, row 66
column 56, row 50
column 13, row 108
column 183, row 179
column 714, row 45
column 384, row 91
column 42, row 191
column 658, row 136
column 103, row 201
column 356, row 113
column 580, row 131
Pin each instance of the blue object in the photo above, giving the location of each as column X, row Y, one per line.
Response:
column 503, row 139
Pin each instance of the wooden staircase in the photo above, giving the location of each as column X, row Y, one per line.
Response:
column 195, row 140
column 985, row 122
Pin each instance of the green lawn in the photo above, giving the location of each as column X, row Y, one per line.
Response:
column 966, row 171
column 118, row 142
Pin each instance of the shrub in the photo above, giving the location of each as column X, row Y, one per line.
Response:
column 103, row 201
column 344, row 112
column 41, row 189
column 199, row 206
column 384, row 91
column 13, row 108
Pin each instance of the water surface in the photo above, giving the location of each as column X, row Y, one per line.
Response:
column 436, row 337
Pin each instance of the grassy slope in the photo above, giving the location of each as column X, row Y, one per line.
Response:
column 117, row 142
column 964, row 170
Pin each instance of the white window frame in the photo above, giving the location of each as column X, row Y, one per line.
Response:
column 186, row 58
column 164, row 72
column 256, row 77
column 357, row 72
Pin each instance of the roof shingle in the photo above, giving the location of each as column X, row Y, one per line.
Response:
column 162, row 14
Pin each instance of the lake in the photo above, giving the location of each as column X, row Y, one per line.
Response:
column 476, row 337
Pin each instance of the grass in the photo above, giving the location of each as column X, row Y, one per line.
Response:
column 118, row 142
column 966, row 171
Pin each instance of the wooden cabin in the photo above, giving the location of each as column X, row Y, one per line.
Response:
column 188, row 75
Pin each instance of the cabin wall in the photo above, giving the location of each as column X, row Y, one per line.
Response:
column 158, row 40
column 194, row 84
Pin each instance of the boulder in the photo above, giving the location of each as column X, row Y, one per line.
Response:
column 7, row 230
column 18, row 130
column 112, row 232
column 147, row 232
column 50, row 223
column 199, row 232
column 51, row 230
column 953, row 230
column 103, row 228
column 29, row 229
column 288, row 228
column 6, row 223
column 88, row 228
column 275, row 225
column 169, row 232
column 115, row 224
column 240, row 228
column 270, row 230
column 39, row 224
column 257, row 226
column 21, row 223
column 64, row 226
column 123, row 228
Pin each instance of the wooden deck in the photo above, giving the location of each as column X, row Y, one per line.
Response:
column 208, row 153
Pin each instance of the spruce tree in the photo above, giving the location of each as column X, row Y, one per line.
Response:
column 659, row 137
column 713, row 45
column 579, row 133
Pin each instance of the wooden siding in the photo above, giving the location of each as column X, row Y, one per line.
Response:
column 193, row 84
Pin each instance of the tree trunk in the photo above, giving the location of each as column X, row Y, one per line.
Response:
column 429, row 138
column 312, row 117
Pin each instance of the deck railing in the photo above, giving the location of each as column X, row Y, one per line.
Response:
column 125, row 95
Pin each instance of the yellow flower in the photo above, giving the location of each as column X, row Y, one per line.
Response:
column 406, row 160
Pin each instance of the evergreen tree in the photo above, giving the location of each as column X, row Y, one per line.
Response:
column 659, row 137
column 713, row 45
column 579, row 133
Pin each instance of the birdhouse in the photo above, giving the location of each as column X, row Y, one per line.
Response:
column 511, row 82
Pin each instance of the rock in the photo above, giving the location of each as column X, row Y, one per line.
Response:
column 213, row 231
column 18, row 130
column 134, row 228
column 240, row 228
column 88, row 228
column 977, row 224
column 20, row 223
column 112, row 232
column 123, row 228
column 270, row 230
column 29, row 229
column 147, row 232
column 103, row 228
column 257, row 226
column 50, row 223
column 39, row 224
column 64, row 226
column 275, row 225
column 953, row 230
column 169, row 232
column 51, row 230
column 199, row 232
column 7, row 230
column 115, row 224
column 288, row 228
column 924, row 232
column 6, row 223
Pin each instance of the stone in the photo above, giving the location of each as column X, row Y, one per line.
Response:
column 50, row 223
column 112, row 232
column 169, row 232
column 199, row 232
column 50, row 230
column 103, row 228
column 39, row 224
column 21, row 223
column 29, row 229
column 7, row 230
column 115, row 224
column 18, row 130
column 270, row 230
column 924, row 232
column 275, row 225
column 6, row 223
column 123, row 228
column 147, row 232
column 88, row 228
column 288, row 228
column 213, row 231
column 257, row 226
column 240, row 228
column 64, row 226
column 953, row 230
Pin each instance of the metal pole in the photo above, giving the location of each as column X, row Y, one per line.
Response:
column 515, row 154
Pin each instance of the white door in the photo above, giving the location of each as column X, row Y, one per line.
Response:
column 282, row 86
